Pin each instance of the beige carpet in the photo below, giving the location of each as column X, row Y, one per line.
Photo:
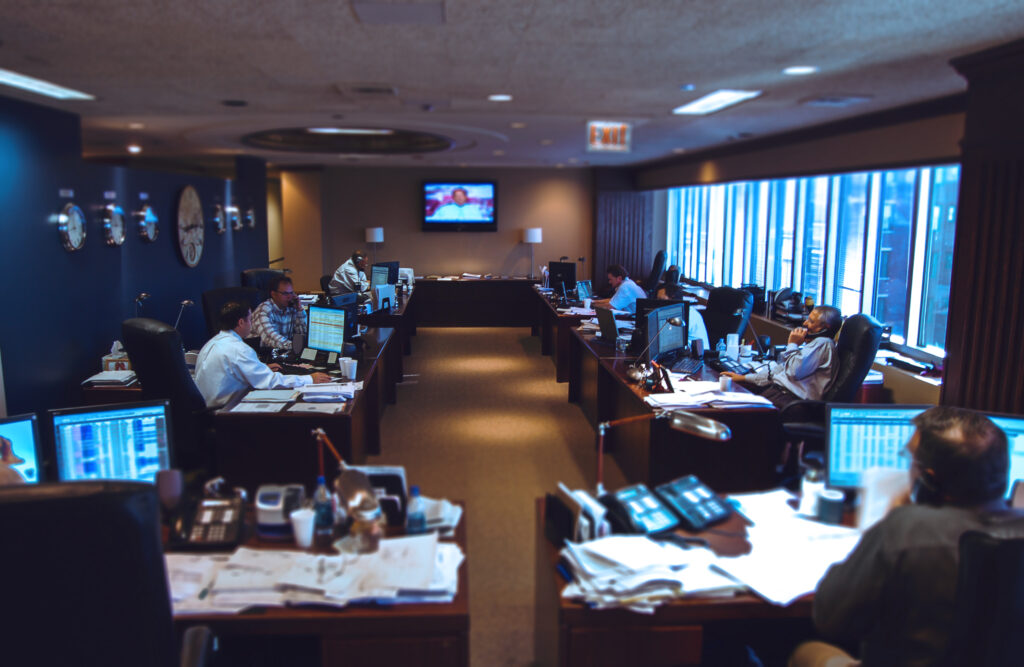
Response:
column 480, row 418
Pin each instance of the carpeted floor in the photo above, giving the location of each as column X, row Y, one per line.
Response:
column 480, row 418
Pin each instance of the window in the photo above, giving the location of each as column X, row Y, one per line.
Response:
column 877, row 241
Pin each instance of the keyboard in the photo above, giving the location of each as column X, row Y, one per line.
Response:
column 687, row 366
column 725, row 364
column 289, row 369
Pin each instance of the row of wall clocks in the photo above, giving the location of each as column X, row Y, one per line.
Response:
column 72, row 224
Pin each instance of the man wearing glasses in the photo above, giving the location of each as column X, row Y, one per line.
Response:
column 280, row 317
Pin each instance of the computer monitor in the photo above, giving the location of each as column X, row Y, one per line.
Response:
column 22, row 454
column 122, row 441
column 643, row 308
column 672, row 338
column 862, row 436
column 406, row 275
column 378, row 275
column 1013, row 427
column 383, row 297
column 350, row 304
column 562, row 277
column 392, row 268
column 584, row 290
column 326, row 328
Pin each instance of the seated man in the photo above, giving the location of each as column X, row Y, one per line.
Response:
column 626, row 291
column 280, row 317
column 894, row 594
column 227, row 367
column 807, row 366
column 350, row 276
column 671, row 289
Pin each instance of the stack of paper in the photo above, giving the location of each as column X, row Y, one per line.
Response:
column 270, row 396
column 639, row 574
column 112, row 378
column 442, row 515
column 405, row 569
column 689, row 394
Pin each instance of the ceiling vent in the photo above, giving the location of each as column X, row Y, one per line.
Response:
column 835, row 101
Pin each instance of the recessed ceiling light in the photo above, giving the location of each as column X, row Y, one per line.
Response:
column 498, row 152
column 348, row 130
column 518, row 125
column 136, row 126
column 572, row 160
column 500, row 97
column 716, row 101
column 546, row 142
column 40, row 87
column 800, row 70
column 134, row 148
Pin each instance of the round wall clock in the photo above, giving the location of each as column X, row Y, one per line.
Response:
column 219, row 220
column 71, row 225
column 250, row 217
column 149, row 224
column 234, row 219
column 113, row 224
column 190, row 226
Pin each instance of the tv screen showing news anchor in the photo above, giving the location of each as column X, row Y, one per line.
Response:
column 459, row 203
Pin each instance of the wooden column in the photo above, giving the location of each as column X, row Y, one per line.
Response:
column 985, row 334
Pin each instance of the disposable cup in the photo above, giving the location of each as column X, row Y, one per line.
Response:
column 350, row 369
column 725, row 383
column 302, row 527
column 586, row 303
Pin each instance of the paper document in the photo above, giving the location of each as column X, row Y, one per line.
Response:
column 111, row 377
column 258, row 407
column 328, row 408
column 346, row 388
column 270, row 395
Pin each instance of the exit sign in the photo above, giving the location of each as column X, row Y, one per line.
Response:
column 604, row 135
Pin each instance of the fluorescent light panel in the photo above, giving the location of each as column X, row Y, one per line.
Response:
column 348, row 130
column 715, row 101
column 40, row 87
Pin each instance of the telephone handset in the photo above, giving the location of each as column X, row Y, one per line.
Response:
column 214, row 525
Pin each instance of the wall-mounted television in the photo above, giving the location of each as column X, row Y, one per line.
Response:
column 460, row 206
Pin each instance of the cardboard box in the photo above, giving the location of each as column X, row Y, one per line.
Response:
column 116, row 362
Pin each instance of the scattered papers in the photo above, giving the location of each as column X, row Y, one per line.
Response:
column 258, row 407
column 442, row 515
column 689, row 394
column 346, row 388
column 326, row 408
column 113, row 378
column 577, row 310
column 270, row 396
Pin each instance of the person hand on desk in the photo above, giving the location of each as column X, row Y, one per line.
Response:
column 318, row 377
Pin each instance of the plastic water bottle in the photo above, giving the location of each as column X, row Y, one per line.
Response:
column 415, row 517
column 720, row 348
column 323, row 508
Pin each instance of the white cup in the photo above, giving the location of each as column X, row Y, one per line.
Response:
column 725, row 383
column 586, row 303
column 302, row 527
column 350, row 369
column 746, row 351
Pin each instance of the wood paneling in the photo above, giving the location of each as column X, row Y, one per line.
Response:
column 624, row 234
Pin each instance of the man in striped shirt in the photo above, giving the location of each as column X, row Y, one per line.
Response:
column 280, row 317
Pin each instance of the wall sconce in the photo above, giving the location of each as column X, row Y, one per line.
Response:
column 532, row 236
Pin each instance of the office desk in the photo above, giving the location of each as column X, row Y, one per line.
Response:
column 407, row 634
column 569, row 634
column 555, row 329
column 257, row 448
column 653, row 453
column 402, row 319
column 495, row 302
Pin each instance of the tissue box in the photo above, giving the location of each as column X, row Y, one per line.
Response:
column 116, row 362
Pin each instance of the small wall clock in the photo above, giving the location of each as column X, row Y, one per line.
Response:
column 113, row 224
column 191, row 234
column 220, row 222
column 149, row 223
column 71, row 225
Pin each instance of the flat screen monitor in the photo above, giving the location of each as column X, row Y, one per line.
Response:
column 1013, row 427
column 460, row 206
column 584, row 290
column 392, row 267
column 378, row 275
column 350, row 304
column 406, row 275
column 672, row 338
column 19, row 446
column 562, row 277
column 862, row 436
column 643, row 308
column 326, row 328
column 122, row 441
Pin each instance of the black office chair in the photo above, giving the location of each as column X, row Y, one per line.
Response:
column 260, row 279
column 856, row 346
column 85, row 581
column 157, row 359
column 325, row 283
column 214, row 299
column 727, row 311
column 651, row 282
column 988, row 616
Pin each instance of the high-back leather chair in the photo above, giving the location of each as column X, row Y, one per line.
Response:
column 728, row 311
column 214, row 299
column 988, row 616
column 856, row 347
column 655, row 275
column 325, row 283
column 85, row 582
column 260, row 279
column 157, row 359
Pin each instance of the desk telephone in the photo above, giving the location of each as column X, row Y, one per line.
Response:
column 685, row 502
column 214, row 525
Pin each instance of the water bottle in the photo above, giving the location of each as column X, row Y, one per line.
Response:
column 720, row 348
column 323, row 508
column 415, row 517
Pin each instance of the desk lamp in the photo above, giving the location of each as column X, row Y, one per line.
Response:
column 532, row 236
column 187, row 303
column 638, row 371
column 683, row 421
column 374, row 235
column 138, row 301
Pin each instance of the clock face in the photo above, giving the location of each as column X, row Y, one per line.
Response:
column 149, row 224
column 113, row 224
column 234, row 219
column 219, row 220
column 71, row 226
column 190, row 226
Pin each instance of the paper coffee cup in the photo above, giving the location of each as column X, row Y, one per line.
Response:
column 302, row 527
column 350, row 369
column 586, row 303
column 724, row 383
column 830, row 506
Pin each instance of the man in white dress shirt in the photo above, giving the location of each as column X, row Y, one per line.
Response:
column 626, row 291
column 350, row 276
column 227, row 367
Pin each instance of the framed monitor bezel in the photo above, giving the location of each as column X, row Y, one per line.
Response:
column 37, row 443
column 436, row 226
column 829, row 407
column 60, row 412
column 350, row 312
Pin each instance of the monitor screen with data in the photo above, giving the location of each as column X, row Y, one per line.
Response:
column 867, row 436
column 122, row 441
column 378, row 275
column 326, row 329
column 672, row 338
column 19, row 446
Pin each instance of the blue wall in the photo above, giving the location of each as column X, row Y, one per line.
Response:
column 62, row 310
